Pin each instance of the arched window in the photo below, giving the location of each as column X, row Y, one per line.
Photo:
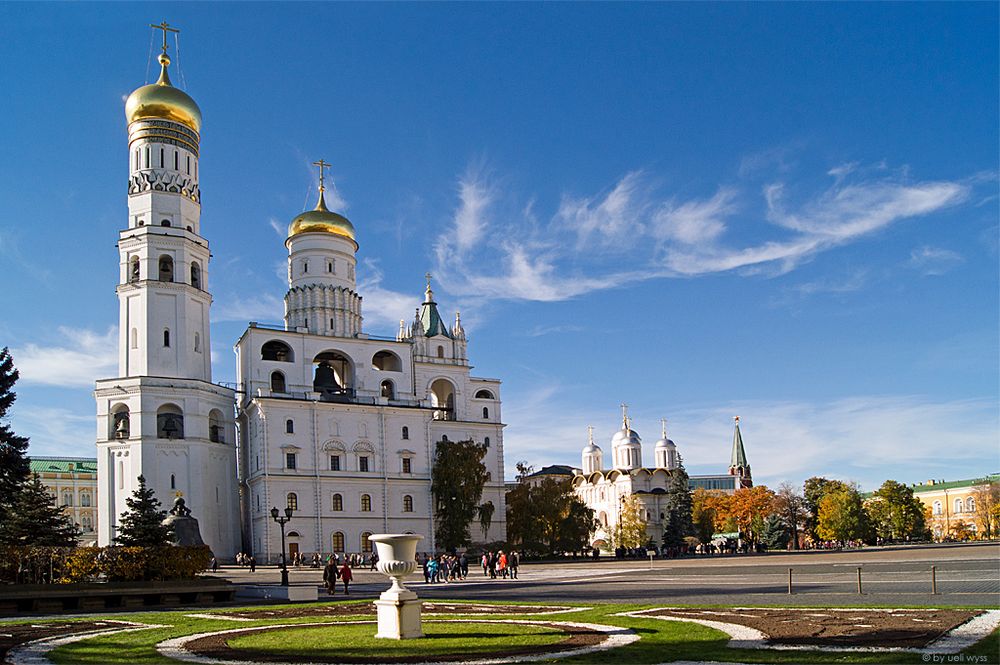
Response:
column 329, row 266
column 958, row 505
column 276, row 350
column 334, row 376
column 406, row 432
column 366, row 503
column 88, row 524
column 386, row 361
column 292, row 501
column 444, row 437
column 289, row 426
column 133, row 269
column 85, row 500
column 337, row 541
column 486, row 413
column 443, row 399
column 173, row 482
column 366, row 545
column 337, row 504
column 277, row 382
column 166, row 269
column 937, row 508
column 407, row 503
column 486, row 441
column 305, row 266
column 166, row 338
column 169, row 422
column 216, row 429
column 120, row 422
column 440, row 352
column 195, row 275
column 67, row 499
column 484, row 394
column 164, row 222
column 970, row 505
column 388, row 390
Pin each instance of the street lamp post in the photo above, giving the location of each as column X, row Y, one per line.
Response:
column 282, row 521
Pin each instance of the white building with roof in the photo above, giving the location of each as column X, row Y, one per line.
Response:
column 604, row 490
column 335, row 423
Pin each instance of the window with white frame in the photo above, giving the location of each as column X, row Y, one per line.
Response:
column 290, row 460
column 334, row 462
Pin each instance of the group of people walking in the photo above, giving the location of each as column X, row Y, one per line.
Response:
column 446, row 568
column 500, row 564
column 333, row 572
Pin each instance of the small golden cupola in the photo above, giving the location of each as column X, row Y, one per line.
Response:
column 321, row 219
column 161, row 100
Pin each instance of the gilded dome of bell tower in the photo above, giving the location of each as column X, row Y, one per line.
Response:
column 161, row 100
column 321, row 219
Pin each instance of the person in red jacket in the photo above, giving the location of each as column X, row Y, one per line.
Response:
column 346, row 575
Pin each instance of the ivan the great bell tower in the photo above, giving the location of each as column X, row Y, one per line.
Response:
column 162, row 417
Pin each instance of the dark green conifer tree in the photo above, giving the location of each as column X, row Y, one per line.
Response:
column 677, row 507
column 13, row 449
column 142, row 524
column 34, row 519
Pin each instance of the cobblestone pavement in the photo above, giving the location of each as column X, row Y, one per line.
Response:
column 966, row 574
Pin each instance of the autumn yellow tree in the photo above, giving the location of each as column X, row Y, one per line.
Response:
column 710, row 512
column 750, row 506
column 987, row 496
column 631, row 531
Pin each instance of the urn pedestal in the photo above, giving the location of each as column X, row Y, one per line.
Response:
column 398, row 608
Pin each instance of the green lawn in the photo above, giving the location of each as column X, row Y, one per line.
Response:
column 661, row 641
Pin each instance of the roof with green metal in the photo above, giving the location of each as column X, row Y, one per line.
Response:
column 739, row 456
column 954, row 484
column 430, row 319
column 63, row 464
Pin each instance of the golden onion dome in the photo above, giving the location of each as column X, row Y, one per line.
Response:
column 163, row 101
column 321, row 220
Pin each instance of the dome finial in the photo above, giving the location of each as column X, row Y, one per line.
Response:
column 428, row 294
column 163, row 58
column 323, row 165
column 590, row 434
column 624, row 416
column 663, row 427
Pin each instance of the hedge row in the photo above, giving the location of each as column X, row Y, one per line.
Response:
column 64, row 565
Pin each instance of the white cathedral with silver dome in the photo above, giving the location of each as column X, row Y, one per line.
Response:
column 604, row 490
column 336, row 424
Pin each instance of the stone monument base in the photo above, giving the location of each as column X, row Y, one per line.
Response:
column 398, row 615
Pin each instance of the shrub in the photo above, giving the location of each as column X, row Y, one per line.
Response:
column 44, row 565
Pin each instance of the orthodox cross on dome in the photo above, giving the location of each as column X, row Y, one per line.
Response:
column 624, row 416
column 590, row 434
column 323, row 166
column 736, row 419
column 165, row 27
column 427, row 292
column 663, row 427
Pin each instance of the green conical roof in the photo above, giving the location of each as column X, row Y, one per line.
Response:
column 430, row 318
column 739, row 457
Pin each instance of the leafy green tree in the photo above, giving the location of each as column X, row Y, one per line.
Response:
column 813, row 490
column 142, row 524
column 457, row 479
column 548, row 517
column 678, row 508
column 13, row 449
column 485, row 512
column 841, row 515
column 791, row 506
column 775, row 533
column 34, row 519
column 631, row 530
column 895, row 513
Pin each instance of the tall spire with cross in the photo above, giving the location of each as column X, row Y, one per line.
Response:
column 738, row 464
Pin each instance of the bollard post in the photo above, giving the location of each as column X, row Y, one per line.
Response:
column 789, row 581
column 859, row 580
column 934, row 580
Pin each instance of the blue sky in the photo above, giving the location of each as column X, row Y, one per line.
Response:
column 783, row 211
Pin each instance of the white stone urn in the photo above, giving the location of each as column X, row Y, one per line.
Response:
column 397, row 556
column 398, row 607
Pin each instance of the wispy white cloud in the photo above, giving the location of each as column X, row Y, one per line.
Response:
column 862, row 438
column 381, row 306
column 934, row 260
column 631, row 233
column 279, row 229
column 79, row 358
column 54, row 431
column 539, row 331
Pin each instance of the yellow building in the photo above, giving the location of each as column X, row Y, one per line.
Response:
column 73, row 483
column 952, row 506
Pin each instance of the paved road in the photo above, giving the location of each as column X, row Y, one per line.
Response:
column 966, row 574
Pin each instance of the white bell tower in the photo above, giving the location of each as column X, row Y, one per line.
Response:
column 162, row 417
